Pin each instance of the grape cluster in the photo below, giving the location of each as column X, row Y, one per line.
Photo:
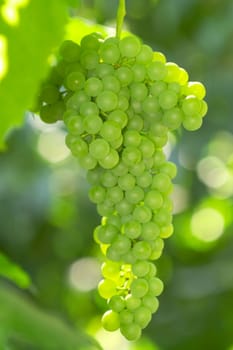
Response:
column 119, row 100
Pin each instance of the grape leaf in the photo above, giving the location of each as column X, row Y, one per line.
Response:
column 13, row 272
column 28, row 43
column 25, row 323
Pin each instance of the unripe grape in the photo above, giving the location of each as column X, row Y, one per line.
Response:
column 119, row 100
column 110, row 320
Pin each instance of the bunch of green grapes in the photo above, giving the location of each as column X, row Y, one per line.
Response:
column 119, row 100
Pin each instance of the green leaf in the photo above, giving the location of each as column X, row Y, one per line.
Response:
column 13, row 272
column 77, row 28
column 26, row 42
column 25, row 323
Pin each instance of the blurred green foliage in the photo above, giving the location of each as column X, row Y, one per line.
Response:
column 46, row 218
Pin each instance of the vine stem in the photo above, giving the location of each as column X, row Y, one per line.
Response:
column 121, row 12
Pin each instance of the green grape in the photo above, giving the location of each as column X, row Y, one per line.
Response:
column 75, row 81
column 107, row 288
column 52, row 113
column 173, row 118
column 166, row 231
column 93, row 177
column 110, row 270
column 111, row 83
column 107, row 233
column 125, row 75
column 159, row 56
column 151, row 303
column 131, row 331
column 142, row 316
column 115, row 194
column 135, row 123
column 123, row 103
column 192, row 123
column 126, row 182
column 49, row 94
column 107, row 101
column 90, row 41
column 134, row 195
column 113, row 255
column 93, row 86
column 161, row 182
column 88, row 109
column 108, row 179
column 99, row 148
column 97, row 194
column 204, row 108
column 157, row 88
column 146, row 147
column 111, row 160
column 191, row 106
column 172, row 72
column 126, row 317
column 132, row 229
column 156, row 70
column 119, row 117
column 145, row 55
column 138, row 91
column 75, row 124
column 104, row 69
column 150, row 105
column 131, row 155
column 144, row 180
column 139, row 287
column 120, row 169
column 69, row 51
column 141, row 268
column 142, row 250
column 153, row 199
column 117, row 142
column 168, row 99
column 155, row 287
column 116, row 303
column 150, row 231
column 77, row 99
column 157, row 248
column 92, row 124
column 195, row 88
column 79, row 147
column 130, row 46
column 163, row 217
column 119, row 100
column 139, row 72
column 110, row 321
column 110, row 130
column 132, row 303
column 89, row 59
column 124, row 207
column 114, row 220
column 87, row 161
column 109, row 52
column 138, row 168
column 121, row 244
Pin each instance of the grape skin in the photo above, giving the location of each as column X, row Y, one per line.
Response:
column 118, row 100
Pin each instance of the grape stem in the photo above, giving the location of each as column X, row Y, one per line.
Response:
column 121, row 12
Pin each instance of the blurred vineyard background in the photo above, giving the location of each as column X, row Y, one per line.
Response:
column 47, row 219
